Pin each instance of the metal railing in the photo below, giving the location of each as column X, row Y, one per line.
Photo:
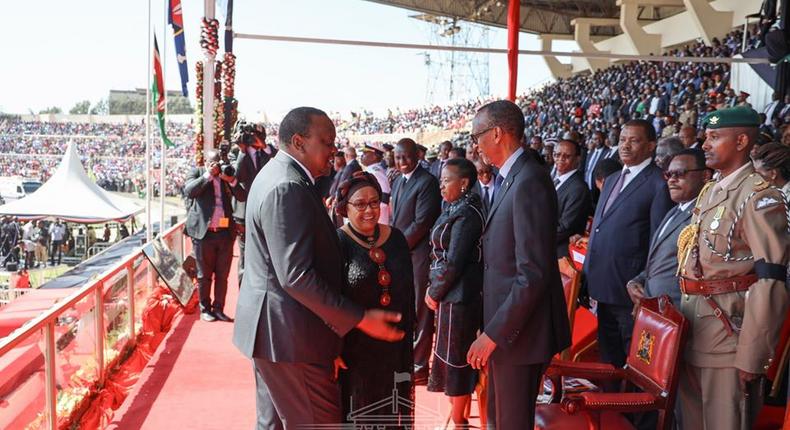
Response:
column 79, row 338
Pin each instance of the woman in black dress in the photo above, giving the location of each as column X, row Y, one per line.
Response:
column 456, row 286
column 379, row 276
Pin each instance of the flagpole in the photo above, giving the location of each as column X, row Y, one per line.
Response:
column 148, row 183
column 163, row 154
column 208, row 87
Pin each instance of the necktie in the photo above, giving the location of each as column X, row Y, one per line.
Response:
column 672, row 214
column 486, row 198
column 556, row 182
column 591, row 167
column 497, row 183
column 618, row 187
column 255, row 160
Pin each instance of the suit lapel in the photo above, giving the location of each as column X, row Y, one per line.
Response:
column 506, row 185
column 407, row 187
column 632, row 186
column 676, row 222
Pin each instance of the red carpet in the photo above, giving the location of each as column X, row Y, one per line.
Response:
column 199, row 380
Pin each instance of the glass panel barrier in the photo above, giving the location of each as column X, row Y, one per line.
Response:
column 116, row 317
column 76, row 364
column 23, row 385
column 141, row 290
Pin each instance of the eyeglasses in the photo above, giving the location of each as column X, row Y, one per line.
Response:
column 477, row 135
column 679, row 173
column 361, row 206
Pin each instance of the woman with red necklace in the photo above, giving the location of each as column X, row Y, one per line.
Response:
column 378, row 276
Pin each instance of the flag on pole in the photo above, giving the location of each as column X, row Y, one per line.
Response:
column 176, row 20
column 158, row 94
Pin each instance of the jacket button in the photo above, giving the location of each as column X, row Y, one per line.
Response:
column 485, row 266
column 597, row 230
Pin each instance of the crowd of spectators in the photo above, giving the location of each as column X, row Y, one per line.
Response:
column 112, row 154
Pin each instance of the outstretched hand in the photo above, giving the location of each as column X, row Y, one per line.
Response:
column 378, row 324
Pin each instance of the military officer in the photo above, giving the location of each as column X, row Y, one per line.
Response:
column 733, row 261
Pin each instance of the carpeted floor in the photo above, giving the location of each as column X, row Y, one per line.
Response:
column 198, row 380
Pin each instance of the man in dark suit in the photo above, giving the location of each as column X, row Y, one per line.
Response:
column 632, row 204
column 484, row 187
column 686, row 175
column 573, row 197
column 210, row 225
column 290, row 315
column 525, row 319
column 444, row 155
column 416, row 204
column 251, row 140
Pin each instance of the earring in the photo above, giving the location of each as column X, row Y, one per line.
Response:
column 463, row 190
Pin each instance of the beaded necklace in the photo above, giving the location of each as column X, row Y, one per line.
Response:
column 378, row 256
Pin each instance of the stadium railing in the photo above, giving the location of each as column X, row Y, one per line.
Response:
column 50, row 364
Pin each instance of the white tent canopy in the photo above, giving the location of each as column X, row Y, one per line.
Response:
column 71, row 195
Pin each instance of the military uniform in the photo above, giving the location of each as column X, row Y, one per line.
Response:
column 733, row 259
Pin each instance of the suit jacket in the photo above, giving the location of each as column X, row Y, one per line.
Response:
column 436, row 168
column 620, row 239
column 349, row 170
column 416, row 204
column 478, row 189
column 574, row 206
column 524, row 309
column 290, row 308
column 662, row 259
column 200, row 194
column 246, row 170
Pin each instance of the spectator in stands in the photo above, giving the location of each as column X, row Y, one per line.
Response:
column 456, row 152
column 632, row 205
column 456, row 283
column 415, row 207
column 472, row 154
column 57, row 232
column 666, row 149
column 573, row 197
column 688, row 135
column 106, row 233
column 595, row 153
column 484, row 187
column 772, row 162
column 686, row 175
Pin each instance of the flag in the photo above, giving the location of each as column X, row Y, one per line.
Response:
column 176, row 20
column 158, row 94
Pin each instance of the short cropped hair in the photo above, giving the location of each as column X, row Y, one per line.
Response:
column 297, row 121
column 650, row 132
column 506, row 115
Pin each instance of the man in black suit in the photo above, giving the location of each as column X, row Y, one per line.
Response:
column 352, row 165
column 573, row 197
column 290, row 315
column 484, row 187
column 525, row 319
column 444, row 155
column 251, row 140
column 686, row 175
column 632, row 204
column 210, row 225
column 416, row 204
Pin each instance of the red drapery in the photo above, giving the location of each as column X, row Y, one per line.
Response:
column 514, row 7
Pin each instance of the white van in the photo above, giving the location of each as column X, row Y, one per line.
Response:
column 15, row 187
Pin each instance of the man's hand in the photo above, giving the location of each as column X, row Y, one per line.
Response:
column 431, row 303
column 745, row 378
column 226, row 178
column 480, row 351
column 377, row 324
column 339, row 364
column 636, row 291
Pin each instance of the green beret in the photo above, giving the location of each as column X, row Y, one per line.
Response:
column 739, row 116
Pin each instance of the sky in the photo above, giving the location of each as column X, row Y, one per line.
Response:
column 60, row 52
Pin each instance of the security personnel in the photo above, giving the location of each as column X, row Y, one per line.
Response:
column 733, row 261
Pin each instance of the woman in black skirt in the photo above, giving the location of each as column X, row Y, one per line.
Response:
column 456, row 286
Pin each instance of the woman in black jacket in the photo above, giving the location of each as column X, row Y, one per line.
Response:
column 455, row 292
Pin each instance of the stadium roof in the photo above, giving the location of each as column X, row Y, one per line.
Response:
column 537, row 16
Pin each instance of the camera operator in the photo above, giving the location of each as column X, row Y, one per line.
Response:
column 251, row 141
column 209, row 191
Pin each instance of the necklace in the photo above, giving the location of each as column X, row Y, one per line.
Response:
column 378, row 256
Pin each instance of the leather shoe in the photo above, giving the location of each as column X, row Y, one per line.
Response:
column 207, row 316
column 222, row 317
